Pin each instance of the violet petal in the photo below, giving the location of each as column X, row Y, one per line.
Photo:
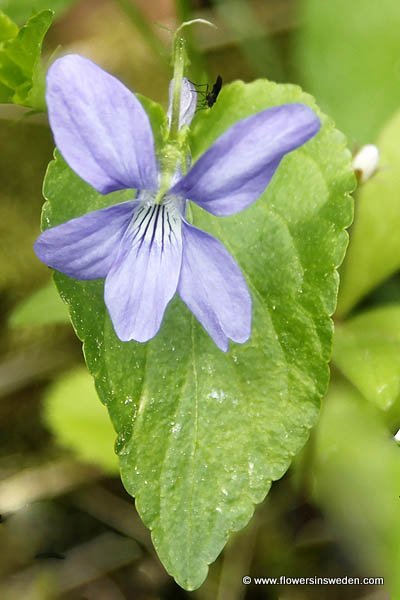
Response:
column 100, row 127
column 188, row 102
column 234, row 172
column 85, row 247
column 213, row 287
column 145, row 274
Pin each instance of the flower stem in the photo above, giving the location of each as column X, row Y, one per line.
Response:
column 180, row 60
column 184, row 10
column 174, row 156
column 179, row 57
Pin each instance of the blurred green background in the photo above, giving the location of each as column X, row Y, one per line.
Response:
column 68, row 529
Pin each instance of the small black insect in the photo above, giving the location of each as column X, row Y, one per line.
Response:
column 209, row 97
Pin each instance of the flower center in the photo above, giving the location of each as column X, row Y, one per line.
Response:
column 156, row 223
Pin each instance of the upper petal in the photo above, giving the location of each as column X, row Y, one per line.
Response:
column 85, row 247
column 145, row 273
column 99, row 126
column 188, row 102
column 213, row 287
column 234, row 172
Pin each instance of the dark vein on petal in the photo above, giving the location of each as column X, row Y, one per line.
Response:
column 142, row 239
column 170, row 226
column 162, row 227
column 158, row 210
column 138, row 227
column 136, row 230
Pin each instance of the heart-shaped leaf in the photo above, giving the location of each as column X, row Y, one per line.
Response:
column 201, row 433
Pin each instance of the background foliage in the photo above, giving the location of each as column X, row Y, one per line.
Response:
column 335, row 513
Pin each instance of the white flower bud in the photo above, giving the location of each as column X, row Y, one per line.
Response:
column 365, row 162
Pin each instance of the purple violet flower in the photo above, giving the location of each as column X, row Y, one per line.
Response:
column 144, row 248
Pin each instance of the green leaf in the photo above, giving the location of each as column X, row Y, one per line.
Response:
column 348, row 57
column 43, row 307
column 367, row 351
column 158, row 119
column 201, row 433
column 357, row 481
column 74, row 415
column 20, row 10
column 21, row 76
column 374, row 251
column 8, row 29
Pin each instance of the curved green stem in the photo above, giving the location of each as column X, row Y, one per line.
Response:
column 179, row 54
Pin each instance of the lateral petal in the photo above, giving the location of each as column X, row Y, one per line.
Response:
column 99, row 126
column 85, row 247
column 145, row 273
column 234, row 172
column 213, row 287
